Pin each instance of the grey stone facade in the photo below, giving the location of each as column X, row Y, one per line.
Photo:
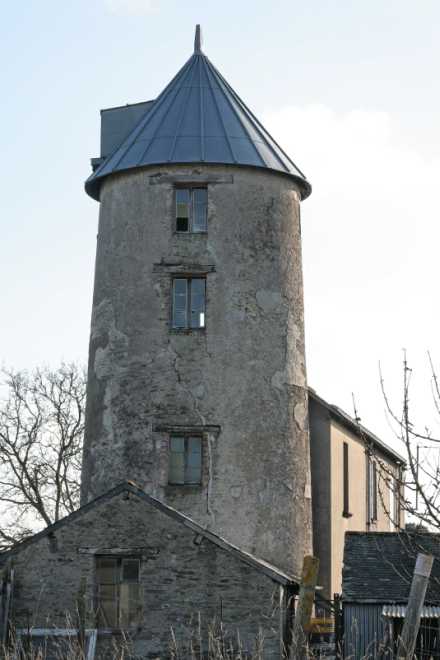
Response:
column 241, row 382
column 183, row 572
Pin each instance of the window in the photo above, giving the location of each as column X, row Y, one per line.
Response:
column 189, row 294
column 372, row 489
column 191, row 210
column 395, row 503
column 185, row 459
column 392, row 507
column 118, row 591
column 346, row 484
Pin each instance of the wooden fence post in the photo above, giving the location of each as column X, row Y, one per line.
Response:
column 304, row 608
column 419, row 584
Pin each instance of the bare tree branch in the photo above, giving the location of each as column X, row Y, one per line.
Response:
column 41, row 435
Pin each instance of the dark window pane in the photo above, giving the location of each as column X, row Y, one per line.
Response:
column 193, row 470
column 200, row 209
column 198, row 303
column 130, row 570
column 177, row 460
column 106, row 570
column 180, row 287
column 182, row 209
column 374, row 491
column 346, row 484
column 182, row 224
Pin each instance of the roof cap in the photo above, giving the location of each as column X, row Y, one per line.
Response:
column 198, row 118
column 198, row 40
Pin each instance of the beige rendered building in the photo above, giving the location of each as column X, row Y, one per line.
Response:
column 355, row 480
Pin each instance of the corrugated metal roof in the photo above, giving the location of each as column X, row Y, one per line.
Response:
column 198, row 118
column 399, row 612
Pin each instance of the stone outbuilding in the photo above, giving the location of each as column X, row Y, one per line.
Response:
column 128, row 569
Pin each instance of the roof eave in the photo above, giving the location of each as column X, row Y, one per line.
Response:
column 264, row 567
column 93, row 183
column 345, row 420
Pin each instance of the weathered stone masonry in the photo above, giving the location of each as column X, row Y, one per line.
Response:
column 182, row 574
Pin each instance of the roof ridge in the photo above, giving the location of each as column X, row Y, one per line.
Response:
column 266, row 567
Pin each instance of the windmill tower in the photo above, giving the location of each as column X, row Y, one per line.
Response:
column 197, row 383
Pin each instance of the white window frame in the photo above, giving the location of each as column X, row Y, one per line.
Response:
column 193, row 228
column 188, row 324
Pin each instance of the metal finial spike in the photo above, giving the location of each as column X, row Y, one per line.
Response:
column 198, row 40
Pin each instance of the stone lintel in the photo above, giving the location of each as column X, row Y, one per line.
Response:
column 190, row 179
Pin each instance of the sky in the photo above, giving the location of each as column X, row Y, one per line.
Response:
column 350, row 90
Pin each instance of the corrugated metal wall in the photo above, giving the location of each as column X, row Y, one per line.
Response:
column 364, row 629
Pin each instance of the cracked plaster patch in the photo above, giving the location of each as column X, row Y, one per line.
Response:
column 269, row 301
column 236, row 491
column 300, row 414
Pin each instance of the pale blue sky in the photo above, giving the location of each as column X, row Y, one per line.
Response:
column 349, row 88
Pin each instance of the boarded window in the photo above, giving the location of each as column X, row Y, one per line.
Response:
column 118, row 592
column 189, row 302
column 185, row 466
column 346, row 482
column 191, row 210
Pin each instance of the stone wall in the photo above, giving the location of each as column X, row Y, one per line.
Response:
column 240, row 382
column 181, row 576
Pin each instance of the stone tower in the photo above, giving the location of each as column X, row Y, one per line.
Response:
column 197, row 383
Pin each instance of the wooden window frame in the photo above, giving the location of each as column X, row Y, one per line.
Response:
column 119, row 561
column 186, row 437
column 190, row 188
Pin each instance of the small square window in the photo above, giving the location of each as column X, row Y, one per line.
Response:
column 185, row 466
column 118, row 591
column 189, row 302
column 191, row 210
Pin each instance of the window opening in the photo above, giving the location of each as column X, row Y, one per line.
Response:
column 346, row 482
column 396, row 507
column 191, row 210
column 118, row 591
column 372, row 490
column 185, row 465
column 189, row 302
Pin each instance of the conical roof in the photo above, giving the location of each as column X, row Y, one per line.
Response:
column 198, row 118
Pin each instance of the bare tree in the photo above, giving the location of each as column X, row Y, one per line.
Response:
column 41, row 435
column 418, row 489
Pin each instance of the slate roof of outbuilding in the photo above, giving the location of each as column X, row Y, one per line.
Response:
column 378, row 566
column 261, row 565
column 198, row 118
